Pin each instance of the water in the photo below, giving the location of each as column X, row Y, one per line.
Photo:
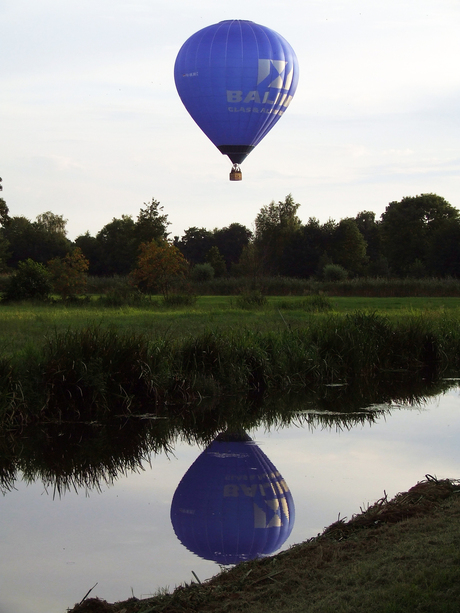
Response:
column 55, row 549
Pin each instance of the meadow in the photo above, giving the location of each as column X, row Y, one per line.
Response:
column 26, row 326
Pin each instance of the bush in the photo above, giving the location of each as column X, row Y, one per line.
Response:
column 69, row 274
column 124, row 296
column 179, row 300
column 316, row 303
column 30, row 281
column 334, row 272
column 251, row 300
column 202, row 273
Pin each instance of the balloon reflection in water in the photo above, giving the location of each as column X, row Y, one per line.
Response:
column 232, row 504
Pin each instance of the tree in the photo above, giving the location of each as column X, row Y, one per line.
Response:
column 120, row 239
column 307, row 250
column 151, row 224
column 5, row 252
column 92, row 249
column 50, row 222
column 444, row 250
column 69, row 274
column 33, row 240
column 30, row 280
column 195, row 244
column 408, row 227
column 250, row 264
column 349, row 247
column 119, row 246
column 158, row 265
column 275, row 225
column 4, row 213
column 230, row 241
column 214, row 257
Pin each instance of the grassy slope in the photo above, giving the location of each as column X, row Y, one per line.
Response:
column 398, row 556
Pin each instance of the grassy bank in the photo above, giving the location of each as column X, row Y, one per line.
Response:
column 397, row 556
column 99, row 371
column 81, row 371
column 25, row 326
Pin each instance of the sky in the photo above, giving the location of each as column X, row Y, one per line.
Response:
column 92, row 128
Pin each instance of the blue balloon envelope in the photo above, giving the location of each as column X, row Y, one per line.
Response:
column 236, row 79
column 232, row 504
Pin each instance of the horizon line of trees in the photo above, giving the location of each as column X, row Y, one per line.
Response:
column 418, row 236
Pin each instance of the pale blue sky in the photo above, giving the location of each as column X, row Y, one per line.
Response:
column 92, row 127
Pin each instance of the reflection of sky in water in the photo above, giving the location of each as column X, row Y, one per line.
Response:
column 53, row 552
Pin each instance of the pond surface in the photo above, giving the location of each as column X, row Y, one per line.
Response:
column 55, row 548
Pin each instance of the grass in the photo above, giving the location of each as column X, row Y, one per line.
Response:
column 68, row 363
column 26, row 325
column 396, row 556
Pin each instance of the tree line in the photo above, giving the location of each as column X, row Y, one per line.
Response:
column 418, row 236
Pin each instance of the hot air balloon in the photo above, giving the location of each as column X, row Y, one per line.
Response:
column 236, row 79
column 232, row 504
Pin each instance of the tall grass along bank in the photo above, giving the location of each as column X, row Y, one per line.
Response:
column 95, row 373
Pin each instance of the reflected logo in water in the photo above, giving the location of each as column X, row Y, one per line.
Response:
column 232, row 504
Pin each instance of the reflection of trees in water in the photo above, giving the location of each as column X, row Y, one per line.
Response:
column 80, row 456
column 72, row 455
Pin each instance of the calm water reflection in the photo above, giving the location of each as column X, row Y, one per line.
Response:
column 232, row 504
column 54, row 549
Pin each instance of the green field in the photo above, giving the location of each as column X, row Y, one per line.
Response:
column 26, row 326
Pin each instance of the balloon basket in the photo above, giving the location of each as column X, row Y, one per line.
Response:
column 235, row 173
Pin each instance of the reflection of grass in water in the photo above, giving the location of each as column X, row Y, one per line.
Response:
column 87, row 455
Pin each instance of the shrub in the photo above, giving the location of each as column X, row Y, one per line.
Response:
column 124, row 296
column 334, row 272
column 104, row 284
column 69, row 274
column 316, row 303
column 30, row 281
column 251, row 300
column 179, row 300
column 202, row 273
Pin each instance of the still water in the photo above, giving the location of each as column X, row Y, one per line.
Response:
column 55, row 548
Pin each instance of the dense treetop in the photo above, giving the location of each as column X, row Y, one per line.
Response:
column 417, row 236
